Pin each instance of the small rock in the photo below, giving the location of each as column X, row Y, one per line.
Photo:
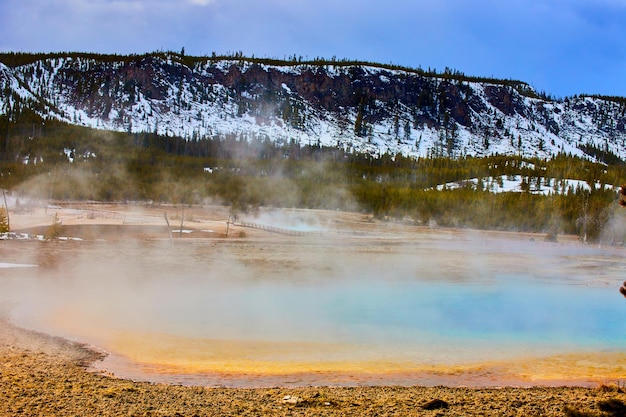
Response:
column 288, row 399
column 613, row 406
column 435, row 404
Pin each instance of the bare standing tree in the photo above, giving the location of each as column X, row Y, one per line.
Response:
column 622, row 202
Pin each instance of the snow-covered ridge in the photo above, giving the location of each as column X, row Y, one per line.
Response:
column 361, row 108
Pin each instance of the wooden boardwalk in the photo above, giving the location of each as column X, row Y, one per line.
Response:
column 278, row 230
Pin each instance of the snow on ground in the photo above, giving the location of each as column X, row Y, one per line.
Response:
column 519, row 183
column 10, row 265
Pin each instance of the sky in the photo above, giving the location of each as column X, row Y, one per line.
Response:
column 559, row 47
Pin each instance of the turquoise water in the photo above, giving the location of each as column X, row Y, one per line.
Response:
column 435, row 301
column 511, row 312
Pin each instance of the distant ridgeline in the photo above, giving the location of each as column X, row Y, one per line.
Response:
column 400, row 143
column 354, row 106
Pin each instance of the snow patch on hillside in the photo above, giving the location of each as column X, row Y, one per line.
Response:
column 519, row 183
column 195, row 106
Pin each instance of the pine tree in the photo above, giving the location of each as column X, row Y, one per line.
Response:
column 54, row 230
column 407, row 131
column 358, row 123
column 4, row 221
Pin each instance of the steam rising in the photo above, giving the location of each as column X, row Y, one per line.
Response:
column 424, row 299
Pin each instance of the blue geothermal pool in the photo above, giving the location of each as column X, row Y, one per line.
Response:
column 427, row 308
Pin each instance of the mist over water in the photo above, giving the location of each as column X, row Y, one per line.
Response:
column 348, row 304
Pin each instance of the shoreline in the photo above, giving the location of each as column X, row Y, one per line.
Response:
column 45, row 375
column 521, row 372
column 546, row 372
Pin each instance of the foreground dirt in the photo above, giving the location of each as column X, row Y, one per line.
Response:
column 45, row 376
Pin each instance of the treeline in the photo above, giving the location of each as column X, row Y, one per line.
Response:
column 14, row 59
column 51, row 160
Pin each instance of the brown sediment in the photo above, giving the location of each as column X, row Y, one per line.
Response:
column 45, row 376
column 166, row 358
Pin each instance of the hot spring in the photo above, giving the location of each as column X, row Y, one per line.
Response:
column 425, row 307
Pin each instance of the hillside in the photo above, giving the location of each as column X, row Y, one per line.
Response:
column 356, row 106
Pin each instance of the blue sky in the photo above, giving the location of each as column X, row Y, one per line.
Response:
column 561, row 47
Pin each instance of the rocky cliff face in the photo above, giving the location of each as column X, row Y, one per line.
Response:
column 368, row 108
